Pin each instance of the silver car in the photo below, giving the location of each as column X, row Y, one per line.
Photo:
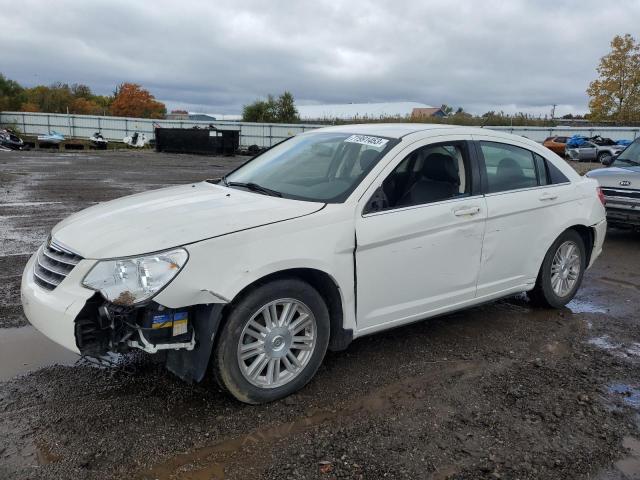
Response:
column 620, row 184
column 590, row 152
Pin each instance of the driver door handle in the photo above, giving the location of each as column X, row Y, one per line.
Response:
column 461, row 212
column 548, row 196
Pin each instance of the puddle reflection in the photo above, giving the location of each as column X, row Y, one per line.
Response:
column 25, row 349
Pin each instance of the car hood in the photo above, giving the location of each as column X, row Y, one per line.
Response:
column 169, row 217
column 612, row 176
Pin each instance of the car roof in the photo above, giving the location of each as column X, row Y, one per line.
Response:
column 392, row 130
column 399, row 130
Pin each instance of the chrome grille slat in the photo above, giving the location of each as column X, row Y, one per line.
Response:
column 622, row 193
column 53, row 264
column 60, row 258
column 39, row 276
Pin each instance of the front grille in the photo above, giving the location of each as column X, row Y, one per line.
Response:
column 621, row 192
column 53, row 264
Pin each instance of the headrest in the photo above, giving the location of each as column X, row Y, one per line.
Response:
column 441, row 168
column 509, row 167
column 367, row 159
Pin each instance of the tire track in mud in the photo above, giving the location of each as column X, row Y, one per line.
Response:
column 206, row 464
column 619, row 283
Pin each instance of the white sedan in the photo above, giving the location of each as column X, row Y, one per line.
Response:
column 331, row 235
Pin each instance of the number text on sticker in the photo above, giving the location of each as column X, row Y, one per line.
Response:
column 367, row 140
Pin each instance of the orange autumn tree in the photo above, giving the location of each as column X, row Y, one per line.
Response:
column 131, row 100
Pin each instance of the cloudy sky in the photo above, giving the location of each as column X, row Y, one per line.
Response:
column 215, row 56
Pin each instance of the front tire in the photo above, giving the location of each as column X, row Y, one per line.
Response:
column 603, row 157
column 561, row 272
column 273, row 342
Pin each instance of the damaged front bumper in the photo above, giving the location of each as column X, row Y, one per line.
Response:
column 53, row 312
column 82, row 321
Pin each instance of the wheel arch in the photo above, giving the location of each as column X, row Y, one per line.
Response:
column 588, row 236
column 586, row 233
column 324, row 283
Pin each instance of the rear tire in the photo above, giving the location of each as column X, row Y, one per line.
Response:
column 273, row 342
column 561, row 272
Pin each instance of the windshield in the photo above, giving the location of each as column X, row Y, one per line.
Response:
column 319, row 167
column 630, row 157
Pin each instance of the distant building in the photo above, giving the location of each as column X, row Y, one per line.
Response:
column 362, row 111
column 178, row 115
column 428, row 112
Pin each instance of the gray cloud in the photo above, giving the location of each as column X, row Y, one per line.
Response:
column 215, row 56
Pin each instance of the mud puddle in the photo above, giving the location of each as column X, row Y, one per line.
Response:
column 628, row 394
column 618, row 349
column 585, row 306
column 25, row 349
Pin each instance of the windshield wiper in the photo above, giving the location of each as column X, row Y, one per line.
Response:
column 254, row 187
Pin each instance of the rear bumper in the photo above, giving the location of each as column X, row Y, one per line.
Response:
column 600, row 232
column 53, row 312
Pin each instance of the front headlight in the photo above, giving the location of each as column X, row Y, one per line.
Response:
column 128, row 281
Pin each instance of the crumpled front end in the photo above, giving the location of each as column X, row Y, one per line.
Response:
column 81, row 320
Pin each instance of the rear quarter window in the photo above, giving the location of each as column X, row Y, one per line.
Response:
column 555, row 175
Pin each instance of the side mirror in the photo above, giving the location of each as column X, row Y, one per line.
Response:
column 608, row 161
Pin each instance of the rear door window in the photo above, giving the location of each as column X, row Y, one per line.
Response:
column 508, row 167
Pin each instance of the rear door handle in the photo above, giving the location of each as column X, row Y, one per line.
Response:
column 548, row 196
column 461, row 212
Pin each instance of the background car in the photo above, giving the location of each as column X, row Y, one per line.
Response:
column 620, row 183
column 556, row 144
column 590, row 152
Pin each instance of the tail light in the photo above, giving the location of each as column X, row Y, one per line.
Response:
column 601, row 196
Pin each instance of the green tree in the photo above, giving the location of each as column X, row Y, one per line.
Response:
column 446, row 109
column 271, row 110
column 53, row 99
column 79, row 90
column 286, row 111
column 616, row 92
column 260, row 111
column 11, row 94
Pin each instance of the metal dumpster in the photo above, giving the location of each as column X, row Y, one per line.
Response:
column 204, row 141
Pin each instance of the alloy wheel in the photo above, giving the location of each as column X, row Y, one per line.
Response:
column 277, row 343
column 565, row 268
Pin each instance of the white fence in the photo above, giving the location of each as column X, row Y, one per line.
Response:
column 261, row 134
column 116, row 128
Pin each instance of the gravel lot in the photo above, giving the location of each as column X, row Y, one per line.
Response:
column 498, row 391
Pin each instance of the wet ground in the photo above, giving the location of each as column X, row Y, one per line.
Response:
column 498, row 391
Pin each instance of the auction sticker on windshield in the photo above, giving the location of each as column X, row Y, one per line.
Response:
column 367, row 140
